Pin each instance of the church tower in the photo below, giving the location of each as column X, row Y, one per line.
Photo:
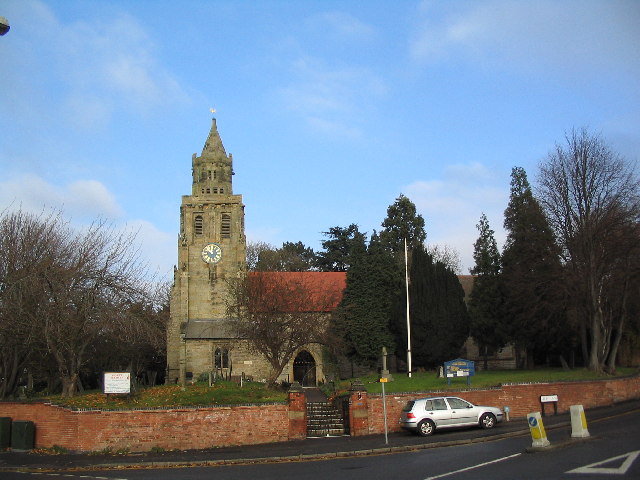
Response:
column 211, row 249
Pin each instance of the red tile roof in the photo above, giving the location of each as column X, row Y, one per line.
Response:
column 302, row 291
column 313, row 291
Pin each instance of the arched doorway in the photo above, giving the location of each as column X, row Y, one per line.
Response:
column 304, row 369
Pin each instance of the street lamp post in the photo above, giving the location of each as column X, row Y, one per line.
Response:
column 4, row 25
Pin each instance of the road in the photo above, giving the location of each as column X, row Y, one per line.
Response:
column 612, row 451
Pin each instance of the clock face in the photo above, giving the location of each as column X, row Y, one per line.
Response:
column 212, row 253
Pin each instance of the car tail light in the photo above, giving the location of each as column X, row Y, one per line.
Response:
column 410, row 415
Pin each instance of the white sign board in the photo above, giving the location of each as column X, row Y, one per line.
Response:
column 548, row 398
column 117, row 382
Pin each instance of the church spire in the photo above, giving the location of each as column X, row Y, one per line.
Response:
column 213, row 169
column 213, row 146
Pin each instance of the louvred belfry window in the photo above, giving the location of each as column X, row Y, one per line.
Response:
column 198, row 225
column 225, row 228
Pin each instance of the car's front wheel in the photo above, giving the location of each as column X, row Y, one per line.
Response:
column 426, row 428
column 488, row 420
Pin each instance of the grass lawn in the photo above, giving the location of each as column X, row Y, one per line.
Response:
column 428, row 381
column 228, row 393
column 163, row 396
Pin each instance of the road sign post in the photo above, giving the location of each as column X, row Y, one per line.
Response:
column 383, row 381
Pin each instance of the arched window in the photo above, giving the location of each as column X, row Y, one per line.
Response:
column 221, row 358
column 225, row 228
column 198, row 224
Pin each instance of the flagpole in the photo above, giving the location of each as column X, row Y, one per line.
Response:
column 406, row 282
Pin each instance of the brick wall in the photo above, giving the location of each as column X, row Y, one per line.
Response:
column 522, row 399
column 297, row 413
column 141, row 430
column 196, row 428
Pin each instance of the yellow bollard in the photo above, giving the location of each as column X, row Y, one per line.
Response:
column 538, row 434
column 578, row 422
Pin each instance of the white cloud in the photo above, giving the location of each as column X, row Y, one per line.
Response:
column 452, row 206
column 158, row 249
column 93, row 67
column 118, row 58
column 343, row 25
column 80, row 200
column 83, row 202
column 567, row 37
column 331, row 99
column 87, row 112
column 269, row 235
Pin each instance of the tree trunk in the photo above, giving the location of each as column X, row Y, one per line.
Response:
column 594, row 360
column 9, row 372
column 584, row 342
column 69, row 383
column 530, row 361
column 613, row 352
column 486, row 358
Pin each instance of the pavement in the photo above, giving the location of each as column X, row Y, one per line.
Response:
column 558, row 429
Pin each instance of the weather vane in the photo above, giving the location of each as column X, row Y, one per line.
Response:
column 212, row 110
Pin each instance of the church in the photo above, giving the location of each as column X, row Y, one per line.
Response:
column 211, row 251
column 201, row 338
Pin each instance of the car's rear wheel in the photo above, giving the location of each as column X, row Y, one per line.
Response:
column 488, row 420
column 426, row 428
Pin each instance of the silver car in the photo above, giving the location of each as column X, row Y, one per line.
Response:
column 425, row 415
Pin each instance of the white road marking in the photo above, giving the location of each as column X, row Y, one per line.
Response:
column 474, row 466
column 46, row 474
column 621, row 470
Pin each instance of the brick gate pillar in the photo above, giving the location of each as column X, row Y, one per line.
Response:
column 358, row 409
column 297, row 412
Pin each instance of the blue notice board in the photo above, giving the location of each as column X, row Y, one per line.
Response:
column 459, row 368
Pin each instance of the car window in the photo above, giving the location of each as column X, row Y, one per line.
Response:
column 408, row 406
column 439, row 404
column 457, row 403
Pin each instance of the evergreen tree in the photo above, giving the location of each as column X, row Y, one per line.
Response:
column 485, row 304
column 362, row 318
column 531, row 274
column 438, row 314
column 338, row 248
column 291, row 257
column 402, row 222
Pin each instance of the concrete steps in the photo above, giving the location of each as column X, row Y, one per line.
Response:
column 323, row 418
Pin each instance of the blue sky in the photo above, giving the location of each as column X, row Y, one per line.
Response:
column 331, row 109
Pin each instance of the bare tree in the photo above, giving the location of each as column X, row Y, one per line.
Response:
column 278, row 313
column 447, row 255
column 25, row 241
column 135, row 339
column 254, row 250
column 67, row 296
column 91, row 278
column 591, row 197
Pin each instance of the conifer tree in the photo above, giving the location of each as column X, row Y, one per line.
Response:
column 362, row 318
column 485, row 304
column 402, row 223
column 338, row 247
column 531, row 274
column 438, row 314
